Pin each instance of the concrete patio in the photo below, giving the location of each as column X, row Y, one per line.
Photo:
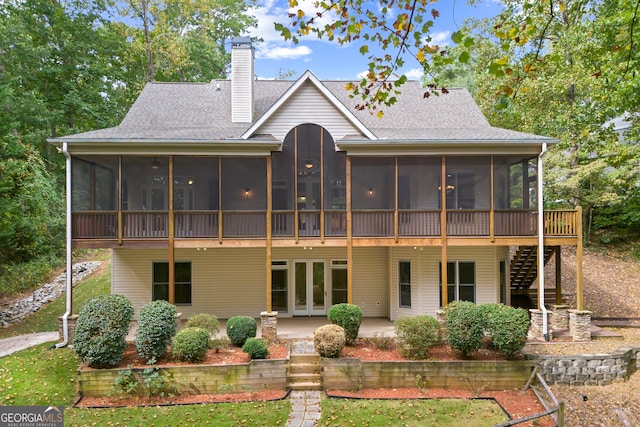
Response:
column 303, row 327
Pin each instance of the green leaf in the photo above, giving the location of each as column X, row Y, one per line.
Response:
column 464, row 57
column 457, row 37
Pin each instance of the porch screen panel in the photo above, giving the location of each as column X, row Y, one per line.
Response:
column 309, row 193
column 244, row 196
column 418, row 181
column 95, row 181
column 373, row 196
column 145, row 196
column 283, row 185
column 514, row 196
column 373, row 183
column 94, row 196
column 335, row 185
column 196, row 196
column 468, row 183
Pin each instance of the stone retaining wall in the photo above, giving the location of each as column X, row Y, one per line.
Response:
column 588, row 369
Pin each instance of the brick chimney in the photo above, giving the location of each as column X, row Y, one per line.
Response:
column 241, row 80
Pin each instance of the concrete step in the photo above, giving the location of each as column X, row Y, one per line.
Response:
column 304, row 368
column 311, row 385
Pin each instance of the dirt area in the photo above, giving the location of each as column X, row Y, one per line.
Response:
column 611, row 282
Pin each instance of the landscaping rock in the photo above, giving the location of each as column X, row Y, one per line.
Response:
column 16, row 310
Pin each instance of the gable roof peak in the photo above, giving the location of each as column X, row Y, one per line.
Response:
column 308, row 76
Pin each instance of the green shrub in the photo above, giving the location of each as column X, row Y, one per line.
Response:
column 255, row 348
column 219, row 343
column 485, row 311
column 191, row 344
column 240, row 328
column 416, row 335
column 349, row 317
column 329, row 340
column 464, row 326
column 381, row 341
column 205, row 321
column 508, row 328
column 101, row 329
column 157, row 324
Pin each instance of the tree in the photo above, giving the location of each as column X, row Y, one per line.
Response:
column 562, row 70
column 184, row 40
column 399, row 28
column 31, row 220
column 62, row 61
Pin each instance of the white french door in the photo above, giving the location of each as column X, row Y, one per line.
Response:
column 309, row 288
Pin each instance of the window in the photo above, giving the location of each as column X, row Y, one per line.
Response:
column 461, row 281
column 182, row 282
column 279, row 286
column 339, row 291
column 404, row 275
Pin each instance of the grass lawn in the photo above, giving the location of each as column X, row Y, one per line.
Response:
column 39, row 376
column 431, row 412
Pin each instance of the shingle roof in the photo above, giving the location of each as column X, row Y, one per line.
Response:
column 202, row 111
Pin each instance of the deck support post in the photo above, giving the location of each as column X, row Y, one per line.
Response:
column 171, row 240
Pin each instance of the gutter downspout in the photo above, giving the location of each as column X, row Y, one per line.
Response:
column 545, row 326
column 69, row 266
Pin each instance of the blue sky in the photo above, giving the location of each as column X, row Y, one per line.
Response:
column 328, row 60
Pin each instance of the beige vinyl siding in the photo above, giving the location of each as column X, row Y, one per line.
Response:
column 308, row 105
column 425, row 264
column 225, row 282
column 371, row 281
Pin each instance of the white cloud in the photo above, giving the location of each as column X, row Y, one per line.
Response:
column 441, row 38
column 283, row 52
column 415, row 74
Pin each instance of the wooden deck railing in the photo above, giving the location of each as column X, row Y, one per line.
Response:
column 366, row 223
column 418, row 223
column 196, row 224
column 372, row 223
column 95, row 225
column 468, row 223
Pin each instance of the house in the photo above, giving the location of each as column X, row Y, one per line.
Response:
column 240, row 196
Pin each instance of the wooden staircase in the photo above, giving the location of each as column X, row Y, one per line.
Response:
column 524, row 266
column 304, row 372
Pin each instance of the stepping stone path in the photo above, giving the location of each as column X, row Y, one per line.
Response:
column 305, row 404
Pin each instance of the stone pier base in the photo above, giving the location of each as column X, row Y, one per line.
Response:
column 71, row 322
column 440, row 317
column 580, row 325
column 560, row 317
column 269, row 325
column 536, row 330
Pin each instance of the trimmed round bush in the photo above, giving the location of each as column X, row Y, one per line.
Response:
column 508, row 328
column 241, row 328
column 255, row 348
column 349, row 317
column 464, row 326
column 205, row 321
column 416, row 335
column 101, row 329
column 157, row 324
column 191, row 344
column 329, row 340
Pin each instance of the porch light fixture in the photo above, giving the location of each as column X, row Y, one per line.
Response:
column 190, row 181
column 247, row 193
column 370, row 192
column 308, row 164
column 155, row 164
